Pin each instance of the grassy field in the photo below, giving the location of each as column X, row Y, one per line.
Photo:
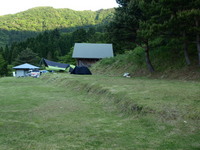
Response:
column 59, row 112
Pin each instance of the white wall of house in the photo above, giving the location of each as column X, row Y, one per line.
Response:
column 20, row 73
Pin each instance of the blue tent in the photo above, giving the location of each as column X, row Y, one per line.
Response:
column 51, row 65
column 82, row 70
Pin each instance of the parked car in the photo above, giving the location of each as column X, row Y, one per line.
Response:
column 35, row 73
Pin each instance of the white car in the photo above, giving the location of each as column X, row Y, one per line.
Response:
column 35, row 73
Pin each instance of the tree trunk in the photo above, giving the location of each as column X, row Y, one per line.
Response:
column 147, row 58
column 198, row 40
column 187, row 59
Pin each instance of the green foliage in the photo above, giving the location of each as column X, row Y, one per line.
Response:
column 144, row 22
column 82, row 26
column 10, row 70
column 48, row 18
column 136, row 57
column 169, row 55
column 107, row 61
column 54, row 45
column 168, row 60
column 27, row 56
column 80, row 35
column 3, row 66
column 130, row 61
column 68, row 58
column 23, row 25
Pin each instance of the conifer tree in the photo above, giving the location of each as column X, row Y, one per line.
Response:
column 27, row 56
column 131, row 24
column 3, row 66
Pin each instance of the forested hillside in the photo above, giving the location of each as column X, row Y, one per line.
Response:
column 26, row 24
column 151, row 36
column 53, row 45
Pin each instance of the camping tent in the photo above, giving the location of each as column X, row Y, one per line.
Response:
column 70, row 68
column 82, row 70
column 51, row 65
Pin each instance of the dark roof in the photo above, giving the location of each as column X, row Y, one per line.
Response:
column 91, row 50
column 54, row 64
column 26, row 66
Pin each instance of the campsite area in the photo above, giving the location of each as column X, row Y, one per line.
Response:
column 62, row 111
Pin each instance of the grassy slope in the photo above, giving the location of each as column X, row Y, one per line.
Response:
column 93, row 112
column 167, row 64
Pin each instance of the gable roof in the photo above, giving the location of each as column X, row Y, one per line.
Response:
column 26, row 66
column 91, row 50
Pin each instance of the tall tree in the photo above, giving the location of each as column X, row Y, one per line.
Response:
column 27, row 56
column 80, row 35
column 3, row 66
column 181, row 22
column 131, row 24
column 7, row 54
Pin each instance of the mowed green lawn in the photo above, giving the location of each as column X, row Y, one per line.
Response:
column 61, row 112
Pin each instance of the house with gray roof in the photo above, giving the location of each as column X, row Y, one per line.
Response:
column 87, row 54
column 22, row 70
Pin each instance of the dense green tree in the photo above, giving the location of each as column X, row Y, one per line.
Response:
column 180, row 20
column 18, row 27
column 131, row 25
column 91, row 32
column 192, row 16
column 68, row 58
column 2, row 52
column 53, row 44
column 27, row 56
column 15, row 52
column 7, row 53
column 153, row 24
column 79, row 36
column 66, row 42
column 3, row 66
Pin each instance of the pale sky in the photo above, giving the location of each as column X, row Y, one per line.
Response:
column 15, row 6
